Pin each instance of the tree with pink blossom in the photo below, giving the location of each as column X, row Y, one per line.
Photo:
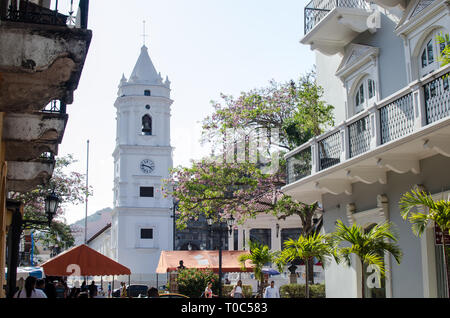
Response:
column 218, row 187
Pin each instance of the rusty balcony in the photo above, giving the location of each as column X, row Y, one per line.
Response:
column 28, row 135
column 26, row 176
column 42, row 52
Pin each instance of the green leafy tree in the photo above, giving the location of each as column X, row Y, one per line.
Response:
column 438, row 213
column 259, row 256
column 444, row 41
column 70, row 187
column 192, row 282
column 307, row 248
column 369, row 246
column 295, row 108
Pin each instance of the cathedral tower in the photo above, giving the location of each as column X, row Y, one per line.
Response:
column 141, row 222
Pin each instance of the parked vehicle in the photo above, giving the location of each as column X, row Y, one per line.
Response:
column 132, row 291
column 172, row 295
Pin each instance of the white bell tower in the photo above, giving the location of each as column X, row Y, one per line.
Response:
column 141, row 221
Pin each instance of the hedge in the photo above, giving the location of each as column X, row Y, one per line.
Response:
column 192, row 282
column 298, row 291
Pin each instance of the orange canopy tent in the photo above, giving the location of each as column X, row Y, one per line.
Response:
column 83, row 261
column 170, row 260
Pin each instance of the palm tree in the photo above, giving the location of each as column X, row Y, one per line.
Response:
column 369, row 245
column 259, row 256
column 306, row 248
column 438, row 212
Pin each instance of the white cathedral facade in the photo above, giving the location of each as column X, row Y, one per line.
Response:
column 142, row 224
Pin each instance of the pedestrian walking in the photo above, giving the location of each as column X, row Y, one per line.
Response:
column 237, row 290
column 109, row 290
column 208, row 291
column 49, row 289
column 83, row 287
column 30, row 290
column 153, row 293
column 60, row 289
column 40, row 284
column 93, row 290
column 271, row 291
column 123, row 291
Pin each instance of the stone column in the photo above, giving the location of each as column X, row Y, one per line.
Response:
column 274, row 238
column 247, row 238
column 240, row 238
column 231, row 241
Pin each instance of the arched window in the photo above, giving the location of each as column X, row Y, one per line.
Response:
column 431, row 49
column 365, row 94
column 147, row 125
column 147, row 92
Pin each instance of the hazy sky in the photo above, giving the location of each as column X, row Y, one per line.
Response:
column 206, row 47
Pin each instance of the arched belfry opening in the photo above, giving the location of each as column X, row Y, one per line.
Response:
column 147, row 125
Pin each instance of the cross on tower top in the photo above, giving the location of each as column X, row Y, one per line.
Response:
column 144, row 35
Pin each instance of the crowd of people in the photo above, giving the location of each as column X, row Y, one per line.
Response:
column 40, row 288
column 58, row 288
column 237, row 292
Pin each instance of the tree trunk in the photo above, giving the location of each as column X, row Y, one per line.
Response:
column 261, row 287
column 311, row 270
column 307, row 277
column 363, row 277
column 446, row 264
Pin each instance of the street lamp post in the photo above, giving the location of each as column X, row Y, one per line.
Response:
column 230, row 222
column 174, row 217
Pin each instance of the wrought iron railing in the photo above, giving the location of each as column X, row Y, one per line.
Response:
column 299, row 165
column 316, row 10
column 359, row 136
column 397, row 118
column 54, row 13
column 330, row 151
column 437, row 98
column 47, row 156
column 55, row 107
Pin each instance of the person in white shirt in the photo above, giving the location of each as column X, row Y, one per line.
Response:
column 237, row 290
column 30, row 291
column 271, row 291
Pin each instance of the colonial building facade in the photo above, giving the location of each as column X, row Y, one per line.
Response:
column 378, row 64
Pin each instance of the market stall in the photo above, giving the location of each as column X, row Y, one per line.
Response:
column 169, row 261
column 82, row 261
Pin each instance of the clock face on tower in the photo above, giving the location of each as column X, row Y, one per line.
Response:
column 147, row 166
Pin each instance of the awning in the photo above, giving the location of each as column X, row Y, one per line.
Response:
column 170, row 260
column 24, row 272
column 83, row 261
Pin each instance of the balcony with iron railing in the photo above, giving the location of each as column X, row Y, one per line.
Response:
column 71, row 13
column 316, row 10
column 43, row 47
column 391, row 135
column 331, row 24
